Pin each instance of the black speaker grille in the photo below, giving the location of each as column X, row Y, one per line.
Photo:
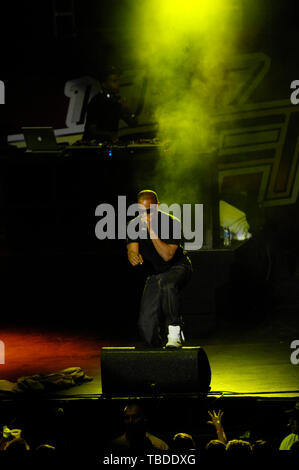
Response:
column 135, row 372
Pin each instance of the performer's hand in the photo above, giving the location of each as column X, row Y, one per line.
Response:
column 146, row 220
column 135, row 258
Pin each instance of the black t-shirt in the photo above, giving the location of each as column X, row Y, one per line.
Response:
column 154, row 263
column 103, row 114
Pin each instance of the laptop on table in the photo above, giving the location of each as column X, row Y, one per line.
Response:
column 41, row 139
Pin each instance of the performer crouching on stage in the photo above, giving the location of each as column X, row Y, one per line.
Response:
column 169, row 270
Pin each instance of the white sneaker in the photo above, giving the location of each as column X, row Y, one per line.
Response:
column 175, row 337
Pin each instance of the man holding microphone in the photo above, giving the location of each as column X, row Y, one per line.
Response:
column 169, row 270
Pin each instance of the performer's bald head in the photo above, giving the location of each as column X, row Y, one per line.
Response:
column 148, row 195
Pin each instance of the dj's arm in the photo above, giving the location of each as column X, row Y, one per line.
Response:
column 127, row 114
column 92, row 132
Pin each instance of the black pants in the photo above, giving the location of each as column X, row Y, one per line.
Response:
column 160, row 303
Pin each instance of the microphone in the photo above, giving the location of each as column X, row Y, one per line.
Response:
column 143, row 227
column 144, row 224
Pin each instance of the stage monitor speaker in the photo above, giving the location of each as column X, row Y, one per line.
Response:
column 128, row 371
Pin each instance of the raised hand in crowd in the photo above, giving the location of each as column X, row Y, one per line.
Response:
column 216, row 422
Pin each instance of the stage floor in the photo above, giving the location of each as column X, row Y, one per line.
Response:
column 251, row 361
